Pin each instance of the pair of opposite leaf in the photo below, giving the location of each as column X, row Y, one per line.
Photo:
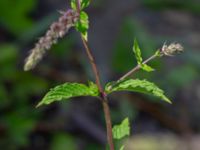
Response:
column 82, row 25
column 70, row 90
column 138, row 55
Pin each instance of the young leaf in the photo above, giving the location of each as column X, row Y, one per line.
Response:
column 137, row 51
column 84, row 4
column 158, row 53
column 146, row 67
column 138, row 55
column 69, row 90
column 121, row 130
column 141, row 86
column 83, row 24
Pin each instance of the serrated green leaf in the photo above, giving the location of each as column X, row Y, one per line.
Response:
column 138, row 55
column 121, row 130
column 84, row 4
column 146, row 67
column 137, row 51
column 69, row 90
column 83, row 24
column 141, row 86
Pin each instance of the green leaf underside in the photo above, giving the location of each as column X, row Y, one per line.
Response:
column 136, row 85
column 69, row 90
column 121, row 130
column 83, row 24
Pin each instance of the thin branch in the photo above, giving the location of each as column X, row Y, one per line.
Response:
column 138, row 67
column 167, row 50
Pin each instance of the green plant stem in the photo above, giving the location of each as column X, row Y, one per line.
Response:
column 103, row 95
column 138, row 67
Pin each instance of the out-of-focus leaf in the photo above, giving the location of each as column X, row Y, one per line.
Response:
column 63, row 141
column 3, row 96
column 121, row 130
column 24, row 88
column 93, row 146
column 8, row 61
column 19, row 127
column 122, row 148
column 14, row 15
column 9, row 53
column 187, row 5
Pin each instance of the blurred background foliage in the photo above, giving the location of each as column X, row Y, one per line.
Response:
column 79, row 124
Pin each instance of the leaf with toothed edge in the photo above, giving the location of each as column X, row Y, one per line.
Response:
column 138, row 55
column 121, row 130
column 69, row 90
column 136, row 85
column 83, row 25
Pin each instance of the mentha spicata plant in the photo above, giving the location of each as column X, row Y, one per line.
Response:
column 76, row 17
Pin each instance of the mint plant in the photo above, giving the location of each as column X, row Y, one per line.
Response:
column 76, row 17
